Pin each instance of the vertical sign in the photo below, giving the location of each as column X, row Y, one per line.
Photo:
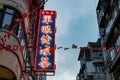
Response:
column 45, row 53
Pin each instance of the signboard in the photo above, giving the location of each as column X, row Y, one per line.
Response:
column 45, row 53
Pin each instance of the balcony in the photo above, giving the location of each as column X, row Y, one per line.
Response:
column 113, row 32
column 90, row 77
column 112, row 60
column 101, row 12
column 111, row 21
column 101, row 18
column 11, row 59
column 115, row 63
column 82, row 67
column 98, row 60
column 99, row 76
column 96, row 76
column 108, row 60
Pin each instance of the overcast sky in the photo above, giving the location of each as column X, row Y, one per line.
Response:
column 76, row 24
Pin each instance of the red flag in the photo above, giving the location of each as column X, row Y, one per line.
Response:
column 1, row 46
column 111, row 48
column 9, row 34
column 15, row 47
column 74, row 46
column 95, row 49
column 88, row 47
column 12, row 28
column 104, row 47
column 22, row 48
column 59, row 47
column 82, row 48
column 18, row 20
column 118, row 48
column 66, row 48
column 24, row 15
column 8, row 47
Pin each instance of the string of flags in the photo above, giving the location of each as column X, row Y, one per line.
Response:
column 26, row 14
column 9, row 47
column 91, row 48
column 15, row 47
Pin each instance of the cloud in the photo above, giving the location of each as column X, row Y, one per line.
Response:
column 67, row 65
column 64, row 10
column 80, row 24
column 75, row 23
column 68, row 10
column 84, row 7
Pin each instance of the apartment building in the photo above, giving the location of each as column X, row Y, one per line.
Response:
column 92, row 62
column 108, row 16
column 18, row 27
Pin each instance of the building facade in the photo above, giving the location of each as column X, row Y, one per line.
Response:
column 108, row 16
column 18, row 34
column 92, row 63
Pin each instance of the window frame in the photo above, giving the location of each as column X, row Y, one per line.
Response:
column 15, row 14
column 20, row 26
column 99, row 69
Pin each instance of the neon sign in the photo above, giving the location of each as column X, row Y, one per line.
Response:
column 45, row 54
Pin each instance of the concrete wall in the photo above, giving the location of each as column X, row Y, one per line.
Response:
column 21, row 5
column 11, row 59
column 90, row 66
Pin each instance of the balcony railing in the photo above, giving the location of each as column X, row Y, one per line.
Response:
column 96, row 76
column 111, row 21
column 98, row 59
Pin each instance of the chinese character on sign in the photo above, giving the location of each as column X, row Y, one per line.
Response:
column 45, row 39
column 47, row 19
column 45, row 43
column 44, row 62
column 46, row 29
column 45, row 51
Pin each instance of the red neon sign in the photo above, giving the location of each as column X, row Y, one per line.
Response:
column 45, row 55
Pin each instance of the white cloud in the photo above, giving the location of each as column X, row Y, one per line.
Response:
column 64, row 10
column 67, row 10
column 83, row 8
column 67, row 65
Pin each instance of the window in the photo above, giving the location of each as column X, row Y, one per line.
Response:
column 22, row 40
column 103, row 6
column 118, row 42
column 25, row 50
column 20, row 32
column 111, row 20
column 96, row 54
column 113, row 54
column 7, row 16
column 99, row 69
column 119, row 4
